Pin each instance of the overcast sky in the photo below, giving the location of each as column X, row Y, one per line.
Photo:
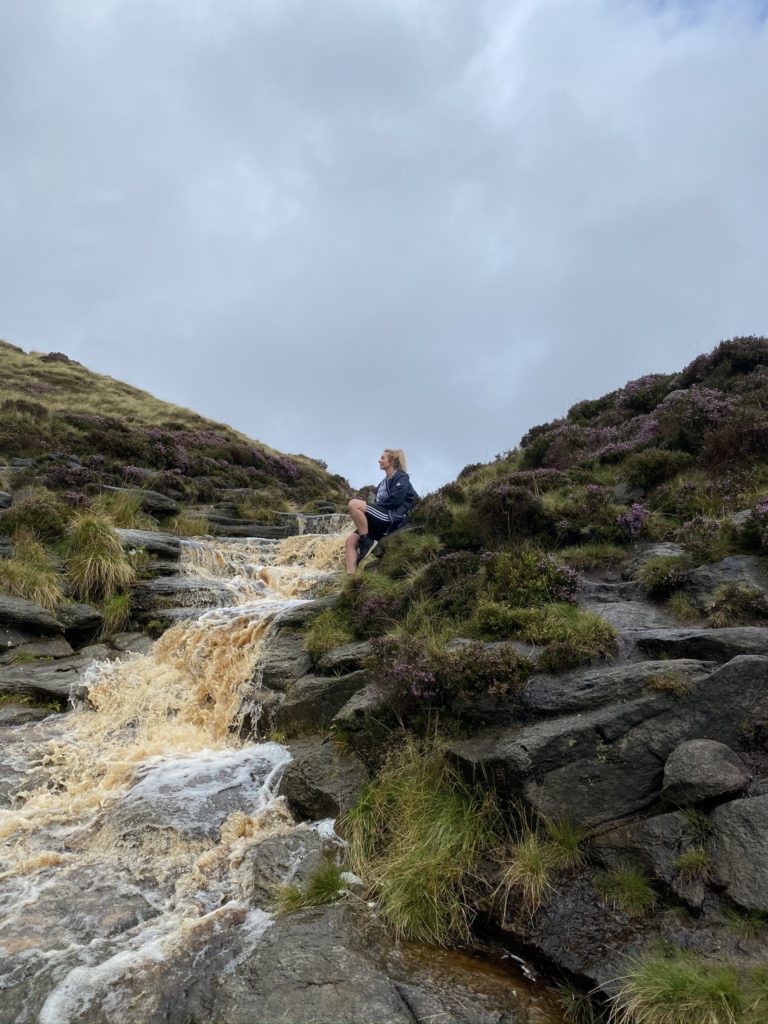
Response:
column 340, row 225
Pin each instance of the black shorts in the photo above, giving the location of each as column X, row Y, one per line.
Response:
column 379, row 522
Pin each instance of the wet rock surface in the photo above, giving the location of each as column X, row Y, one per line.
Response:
column 741, row 570
column 321, row 782
column 163, row 545
column 347, row 658
column 285, row 660
column 17, row 613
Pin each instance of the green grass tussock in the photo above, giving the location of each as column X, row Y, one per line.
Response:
column 186, row 525
column 123, row 510
column 96, row 564
column 416, row 837
column 663, row 575
column 29, row 574
column 117, row 614
column 676, row 683
column 324, row 885
column 326, row 631
column 626, row 888
column 682, row 988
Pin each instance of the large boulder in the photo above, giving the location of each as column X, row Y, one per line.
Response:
column 321, row 782
column 46, row 679
column 284, row 659
column 608, row 763
column 180, row 592
column 48, row 648
column 152, row 502
column 290, row 858
column 18, row 613
column 742, row 570
column 702, row 770
column 312, row 702
column 739, row 851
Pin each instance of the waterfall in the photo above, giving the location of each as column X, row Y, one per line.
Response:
column 139, row 809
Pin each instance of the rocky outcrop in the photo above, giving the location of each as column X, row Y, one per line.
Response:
column 346, row 658
column 163, row 545
column 45, row 679
column 608, row 763
column 47, row 648
column 706, row 644
column 81, row 622
column 284, row 660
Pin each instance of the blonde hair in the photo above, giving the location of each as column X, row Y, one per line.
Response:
column 398, row 458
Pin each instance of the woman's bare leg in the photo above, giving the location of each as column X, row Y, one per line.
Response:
column 350, row 553
column 357, row 513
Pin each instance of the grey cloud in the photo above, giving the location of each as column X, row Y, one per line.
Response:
column 346, row 225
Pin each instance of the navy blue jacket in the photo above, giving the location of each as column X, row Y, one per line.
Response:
column 400, row 497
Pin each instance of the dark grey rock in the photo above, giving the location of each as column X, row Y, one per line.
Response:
column 164, row 545
column 739, row 851
column 743, row 570
column 321, row 782
column 300, row 614
column 46, row 678
column 284, row 859
column 284, row 660
column 352, row 716
column 6, row 499
column 152, row 502
column 20, row 714
column 242, row 529
column 591, row 687
column 311, row 703
column 180, row 592
column 608, row 763
column 6, row 547
column 705, row 644
column 10, row 638
column 81, row 622
column 701, row 770
column 22, row 463
column 346, row 658
column 630, row 615
column 53, row 647
column 26, row 615
column 97, row 652
column 132, row 643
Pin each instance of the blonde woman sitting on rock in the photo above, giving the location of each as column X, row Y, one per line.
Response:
column 395, row 497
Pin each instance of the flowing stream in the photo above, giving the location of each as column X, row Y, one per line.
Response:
column 128, row 845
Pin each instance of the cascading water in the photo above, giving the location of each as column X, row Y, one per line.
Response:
column 137, row 810
column 126, row 856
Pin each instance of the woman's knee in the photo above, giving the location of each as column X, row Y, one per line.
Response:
column 357, row 503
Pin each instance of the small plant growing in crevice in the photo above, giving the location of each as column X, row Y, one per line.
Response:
column 326, row 631
column 527, row 869
column 682, row 609
column 575, row 1004
column 751, row 925
column 692, row 865
column 325, row 885
column 662, row 575
column 676, row 683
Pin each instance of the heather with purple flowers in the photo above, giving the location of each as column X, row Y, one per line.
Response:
column 633, row 520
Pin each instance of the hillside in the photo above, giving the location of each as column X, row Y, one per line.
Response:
column 53, row 408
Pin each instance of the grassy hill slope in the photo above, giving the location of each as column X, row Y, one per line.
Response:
column 52, row 407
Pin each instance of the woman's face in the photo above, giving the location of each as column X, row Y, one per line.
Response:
column 385, row 461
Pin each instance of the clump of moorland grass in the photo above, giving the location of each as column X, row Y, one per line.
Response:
column 679, row 987
column 676, row 683
column 325, row 885
column 584, row 557
column 527, row 871
column 693, row 864
column 186, row 525
column 628, row 888
column 735, row 604
column 698, row 826
column 42, row 513
column 29, row 574
column 123, row 509
column 452, row 581
column 372, row 603
column 417, row 837
column 96, row 565
column 682, row 609
column 751, row 925
column 406, row 552
column 575, row 1004
column 568, row 842
column 326, row 631
column 662, row 575
column 116, row 613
